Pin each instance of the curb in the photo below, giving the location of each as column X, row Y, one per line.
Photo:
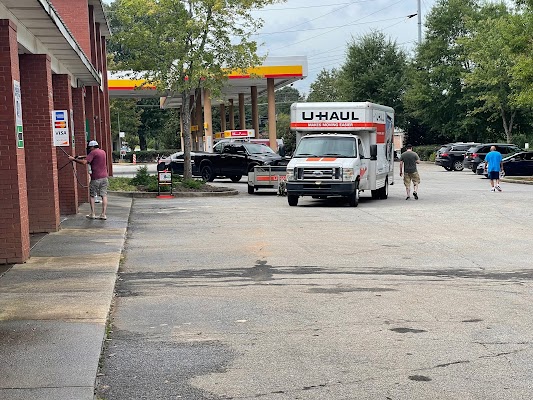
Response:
column 507, row 180
column 153, row 195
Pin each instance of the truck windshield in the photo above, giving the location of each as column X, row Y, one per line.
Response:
column 258, row 148
column 327, row 146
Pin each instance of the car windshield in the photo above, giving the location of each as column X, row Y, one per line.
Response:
column 253, row 148
column 443, row 149
column 472, row 149
column 326, row 147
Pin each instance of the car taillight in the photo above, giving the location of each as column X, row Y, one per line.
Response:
column 444, row 155
column 474, row 155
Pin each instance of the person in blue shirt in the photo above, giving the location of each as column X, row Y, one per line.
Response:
column 494, row 165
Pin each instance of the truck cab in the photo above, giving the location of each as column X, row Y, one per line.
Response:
column 342, row 150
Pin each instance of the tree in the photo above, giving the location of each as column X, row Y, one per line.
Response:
column 496, row 43
column 326, row 86
column 183, row 46
column 283, row 131
column 153, row 119
column 125, row 117
column 375, row 70
column 435, row 96
column 284, row 99
column 522, row 71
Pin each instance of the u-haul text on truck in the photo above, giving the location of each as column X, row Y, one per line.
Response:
column 342, row 149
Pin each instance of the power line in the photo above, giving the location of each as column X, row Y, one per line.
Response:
column 328, row 27
column 343, row 53
column 331, row 12
column 299, row 8
column 312, row 37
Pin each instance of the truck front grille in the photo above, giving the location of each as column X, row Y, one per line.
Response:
column 318, row 174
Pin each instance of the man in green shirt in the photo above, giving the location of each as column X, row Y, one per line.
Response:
column 408, row 161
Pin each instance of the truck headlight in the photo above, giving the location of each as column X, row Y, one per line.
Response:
column 290, row 174
column 347, row 174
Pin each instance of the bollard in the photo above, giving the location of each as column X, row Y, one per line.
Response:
column 134, row 159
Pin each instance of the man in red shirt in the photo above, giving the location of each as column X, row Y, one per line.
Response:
column 97, row 159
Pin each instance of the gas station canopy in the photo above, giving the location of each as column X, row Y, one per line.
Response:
column 283, row 70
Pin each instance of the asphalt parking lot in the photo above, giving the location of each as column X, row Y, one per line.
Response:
column 244, row 297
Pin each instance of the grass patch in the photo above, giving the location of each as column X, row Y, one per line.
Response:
column 119, row 184
column 144, row 182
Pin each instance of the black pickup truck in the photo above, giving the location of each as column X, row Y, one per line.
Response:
column 229, row 159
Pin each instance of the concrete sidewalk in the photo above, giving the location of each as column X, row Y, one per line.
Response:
column 53, row 309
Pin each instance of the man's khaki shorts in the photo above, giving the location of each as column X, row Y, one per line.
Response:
column 411, row 177
column 98, row 187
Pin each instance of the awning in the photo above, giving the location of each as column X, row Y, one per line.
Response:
column 42, row 21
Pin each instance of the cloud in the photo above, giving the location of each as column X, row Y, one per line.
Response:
column 321, row 30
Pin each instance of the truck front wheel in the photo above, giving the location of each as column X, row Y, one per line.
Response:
column 353, row 199
column 384, row 191
column 235, row 178
column 293, row 200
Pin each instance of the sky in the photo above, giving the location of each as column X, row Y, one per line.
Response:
column 321, row 29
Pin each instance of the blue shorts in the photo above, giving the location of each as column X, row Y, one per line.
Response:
column 494, row 175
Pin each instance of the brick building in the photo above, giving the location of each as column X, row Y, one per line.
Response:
column 53, row 99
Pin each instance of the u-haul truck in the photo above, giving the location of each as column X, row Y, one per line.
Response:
column 342, row 149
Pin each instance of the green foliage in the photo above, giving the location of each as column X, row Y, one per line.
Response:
column 142, row 177
column 183, row 46
column 492, row 48
column 192, row 183
column 326, row 87
column 284, row 99
column 426, row 153
column 120, row 184
column 469, row 79
column 153, row 119
column 283, row 127
column 521, row 139
column 435, row 96
column 125, row 117
column 375, row 70
column 148, row 183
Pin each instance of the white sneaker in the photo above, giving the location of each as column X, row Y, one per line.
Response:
column 498, row 188
column 493, row 190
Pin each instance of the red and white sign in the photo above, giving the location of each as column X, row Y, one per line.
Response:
column 239, row 133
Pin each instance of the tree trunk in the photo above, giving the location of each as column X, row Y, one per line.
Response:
column 186, row 118
column 507, row 126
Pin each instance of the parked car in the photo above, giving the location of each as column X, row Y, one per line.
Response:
column 476, row 154
column 519, row 164
column 229, row 159
column 451, row 156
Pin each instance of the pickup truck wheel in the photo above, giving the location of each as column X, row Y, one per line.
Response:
column 250, row 189
column 293, row 200
column 353, row 199
column 235, row 178
column 458, row 165
column 207, row 173
column 375, row 194
column 384, row 191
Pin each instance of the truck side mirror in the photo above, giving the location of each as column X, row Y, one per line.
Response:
column 373, row 152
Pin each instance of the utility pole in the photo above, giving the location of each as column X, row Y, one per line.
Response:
column 419, row 12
